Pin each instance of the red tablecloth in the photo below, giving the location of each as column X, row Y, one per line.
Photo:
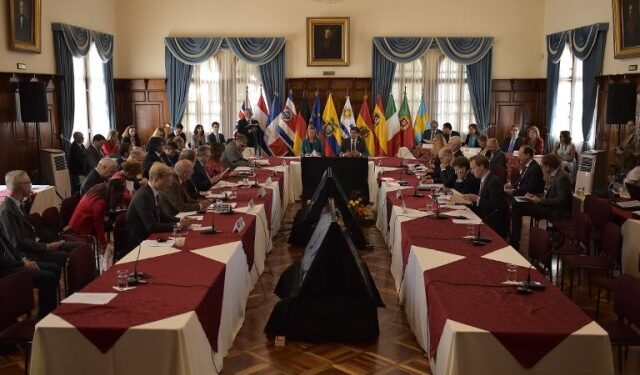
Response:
column 262, row 175
column 275, row 160
column 244, row 195
column 398, row 175
column 529, row 326
column 178, row 283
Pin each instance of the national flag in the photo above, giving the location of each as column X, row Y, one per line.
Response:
column 422, row 119
column 262, row 116
column 331, row 127
column 380, row 128
column 365, row 127
column 271, row 136
column 347, row 119
column 287, row 125
column 301, row 125
column 246, row 104
column 393, row 127
column 315, row 120
column 406, row 125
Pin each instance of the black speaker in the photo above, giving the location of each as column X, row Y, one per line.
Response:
column 621, row 103
column 33, row 101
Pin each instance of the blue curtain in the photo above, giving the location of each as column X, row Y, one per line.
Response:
column 72, row 41
column 475, row 53
column 64, row 67
column 389, row 51
column 182, row 53
column 555, row 47
column 588, row 45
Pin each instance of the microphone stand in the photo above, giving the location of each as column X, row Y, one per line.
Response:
column 136, row 277
column 479, row 240
column 213, row 229
column 529, row 286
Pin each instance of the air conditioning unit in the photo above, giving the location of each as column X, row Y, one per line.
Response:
column 54, row 171
column 591, row 173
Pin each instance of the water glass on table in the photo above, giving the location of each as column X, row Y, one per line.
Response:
column 429, row 207
column 512, row 273
column 472, row 230
column 178, row 236
column 122, row 279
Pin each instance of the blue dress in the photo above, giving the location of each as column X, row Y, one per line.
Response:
column 308, row 147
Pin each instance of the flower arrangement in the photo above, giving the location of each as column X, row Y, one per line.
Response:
column 361, row 210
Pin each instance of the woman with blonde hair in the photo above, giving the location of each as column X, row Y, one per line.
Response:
column 534, row 141
column 158, row 133
column 111, row 145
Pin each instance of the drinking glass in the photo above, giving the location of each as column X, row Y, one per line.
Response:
column 178, row 236
column 512, row 273
column 471, row 230
column 123, row 279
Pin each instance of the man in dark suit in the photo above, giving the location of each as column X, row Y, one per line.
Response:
column 430, row 133
column 531, row 179
column 448, row 132
column 171, row 154
column 215, row 136
column 554, row 204
column 489, row 203
column 77, row 160
column 200, row 177
column 514, row 142
column 353, row 146
column 45, row 276
column 101, row 173
column 23, row 25
column 94, row 153
column 232, row 155
column 144, row 215
column 496, row 155
column 177, row 132
column 466, row 182
column 17, row 227
column 154, row 153
column 176, row 198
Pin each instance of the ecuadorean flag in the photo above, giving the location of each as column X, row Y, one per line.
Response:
column 331, row 128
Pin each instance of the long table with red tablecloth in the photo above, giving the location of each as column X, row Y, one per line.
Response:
column 184, row 320
column 463, row 316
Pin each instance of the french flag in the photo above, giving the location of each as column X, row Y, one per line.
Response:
column 261, row 115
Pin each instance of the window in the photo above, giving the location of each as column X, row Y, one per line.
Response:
column 91, row 113
column 217, row 92
column 445, row 88
column 568, row 114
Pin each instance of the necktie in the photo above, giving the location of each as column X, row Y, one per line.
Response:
column 157, row 207
column 511, row 144
column 353, row 145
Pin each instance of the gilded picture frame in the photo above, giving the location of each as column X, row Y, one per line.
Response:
column 24, row 25
column 328, row 41
column 626, row 28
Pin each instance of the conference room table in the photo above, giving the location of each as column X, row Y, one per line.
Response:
column 184, row 320
column 45, row 197
column 463, row 316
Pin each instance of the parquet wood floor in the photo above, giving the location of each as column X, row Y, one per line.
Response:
column 395, row 351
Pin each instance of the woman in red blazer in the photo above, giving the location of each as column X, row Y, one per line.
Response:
column 534, row 141
column 112, row 144
column 89, row 216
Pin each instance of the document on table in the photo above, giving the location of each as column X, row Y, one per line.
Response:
column 521, row 199
column 90, row 298
column 217, row 196
column 154, row 243
column 468, row 222
column 628, row 204
column 180, row 215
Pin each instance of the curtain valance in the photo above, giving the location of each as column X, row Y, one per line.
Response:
column 401, row 50
column 465, row 51
column 78, row 40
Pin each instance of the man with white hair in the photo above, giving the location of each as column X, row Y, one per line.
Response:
column 455, row 143
column 101, row 173
column 176, row 198
column 17, row 228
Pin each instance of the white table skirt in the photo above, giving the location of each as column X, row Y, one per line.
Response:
column 631, row 247
column 176, row 345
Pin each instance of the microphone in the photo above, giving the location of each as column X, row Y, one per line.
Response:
column 136, row 277
column 213, row 229
column 479, row 240
column 533, row 285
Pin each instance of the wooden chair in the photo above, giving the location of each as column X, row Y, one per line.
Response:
column 540, row 250
column 16, row 299
column 80, row 268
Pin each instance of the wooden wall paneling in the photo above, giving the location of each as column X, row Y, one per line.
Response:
column 142, row 103
column 339, row 87
column 519, row 102
column 23, row 141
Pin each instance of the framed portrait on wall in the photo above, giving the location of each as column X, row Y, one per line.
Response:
column 626, row 28
column 24, row 25
column 328, row 41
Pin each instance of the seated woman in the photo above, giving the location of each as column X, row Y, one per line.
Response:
column 566, row 151
column 311, row 143
column 214, row 166
column 89, row 216
column 534, row 141
column 132, row 174
column 482, row 143
column 472, row 137
column 110, row 146
column 198, row 138
column 129, row 136
column 439, row 142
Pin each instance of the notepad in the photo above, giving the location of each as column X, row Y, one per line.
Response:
column 90, row 298
column 628, row 204
column 467, row 221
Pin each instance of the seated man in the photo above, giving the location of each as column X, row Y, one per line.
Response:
column 530, row 180
column 232, row 156
column 554, row 204
column 495, row 154
column 466, row 182
column 45, row 276
column 200, row 177
column 354, row 145
column 444, row 174
column 101, row 173
column 215, row 136
column 448, row 132
column 154, row 151
column 144, row 215
column 171, row 154
column 175, row 198
column 489, row 203
column 430, row 134
column 123, row 154
column 17, row 227
column 514, row 142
